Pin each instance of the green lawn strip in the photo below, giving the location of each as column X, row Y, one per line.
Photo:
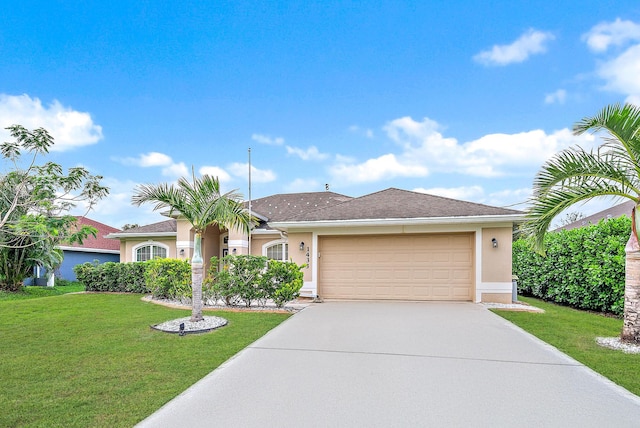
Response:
column 92, row 359
column 32, row 292
column 574, row 332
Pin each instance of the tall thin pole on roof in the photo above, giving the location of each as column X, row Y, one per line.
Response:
column 250, row 198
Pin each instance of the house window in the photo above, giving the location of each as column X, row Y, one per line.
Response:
column 277, row 251
column 150, row 251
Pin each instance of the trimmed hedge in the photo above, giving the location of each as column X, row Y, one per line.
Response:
column 583, row 268
column 112, row 276
column 244, row 279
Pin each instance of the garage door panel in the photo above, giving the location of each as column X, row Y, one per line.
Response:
column 404, row 267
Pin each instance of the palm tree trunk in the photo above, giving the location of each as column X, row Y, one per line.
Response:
column 631, row 326
column 197, row 269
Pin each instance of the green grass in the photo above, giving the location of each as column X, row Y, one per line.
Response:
column 33, row 292
column 574, row 332
column 92, row 359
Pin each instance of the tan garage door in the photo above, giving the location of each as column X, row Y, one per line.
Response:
column 400, row 267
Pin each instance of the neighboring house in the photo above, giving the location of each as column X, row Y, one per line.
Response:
column 389, row 245
column 98, row 248
column 613, row 212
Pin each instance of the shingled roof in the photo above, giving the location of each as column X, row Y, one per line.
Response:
column 401, row 204
column 613, row 212
column 283, row 207
column 160, row 228
column 99, row 242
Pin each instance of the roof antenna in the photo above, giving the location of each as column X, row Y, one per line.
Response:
column 326, row 187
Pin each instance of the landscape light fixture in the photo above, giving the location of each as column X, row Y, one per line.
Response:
column 182, row 333
column 302, row 246
column 494, row 242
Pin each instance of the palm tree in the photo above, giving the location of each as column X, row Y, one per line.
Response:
column 202, row 204
column 575, row 175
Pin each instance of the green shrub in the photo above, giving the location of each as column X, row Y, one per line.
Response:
column 168, row 278
column 583, row 267
column 240, row 280
column 112, row 276
column 283, row 281
column 248, row 279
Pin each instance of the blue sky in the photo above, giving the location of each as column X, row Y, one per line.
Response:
column 458, row 99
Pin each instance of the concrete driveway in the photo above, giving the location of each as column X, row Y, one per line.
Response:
column 371, row 364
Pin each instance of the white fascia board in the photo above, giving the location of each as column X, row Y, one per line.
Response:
column 141, row 235
column 265, row 232
column 87, row 250
column 489, row 219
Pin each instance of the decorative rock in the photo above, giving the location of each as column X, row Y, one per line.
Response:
column 207, row 324
column 616, row 344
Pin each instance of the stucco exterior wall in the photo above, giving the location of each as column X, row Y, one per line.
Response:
column 184, row 239
column 304, row 256
column 496, row 262
column 126, row 247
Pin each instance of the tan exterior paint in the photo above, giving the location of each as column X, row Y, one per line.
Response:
column 397, row 267
column 127, row 247
column 496, row 262
column 304, row 256
column 497, row 297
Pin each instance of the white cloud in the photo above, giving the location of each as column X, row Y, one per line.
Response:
column 621, row 73
column 116, row 209
column 381, row 168
column 616, row 33
column 176, row 170
column 530, row 43
column 470, row 193
column 155, row 159
column 265, row 139
column 303, row 185
column 312, row 153
column 69, row 128
column 361, row 131
column 147, row 160
column 257, row 175
column 215, row 171
column 423, row 149
column 558, row 96
column 510, row 198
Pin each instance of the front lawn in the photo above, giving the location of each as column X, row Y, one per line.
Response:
column 32, row 292
column 574, row 332
column 92, row 360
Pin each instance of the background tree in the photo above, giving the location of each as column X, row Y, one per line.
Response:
column 571, row 217
column 34, row 202
column 202, row 204
column 575, row 175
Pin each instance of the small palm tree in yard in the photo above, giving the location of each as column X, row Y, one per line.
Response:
column 202, row 204
column 575, row 175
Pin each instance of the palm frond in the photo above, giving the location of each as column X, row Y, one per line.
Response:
column 199, row 201
column 621, row 123
column 575, row 175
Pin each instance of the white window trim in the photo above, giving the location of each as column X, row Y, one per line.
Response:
column 272, row 243
column 146, row 244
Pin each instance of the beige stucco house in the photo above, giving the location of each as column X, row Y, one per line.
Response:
column 389, row 245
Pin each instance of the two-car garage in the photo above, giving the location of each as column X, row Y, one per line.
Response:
column 397, row 267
